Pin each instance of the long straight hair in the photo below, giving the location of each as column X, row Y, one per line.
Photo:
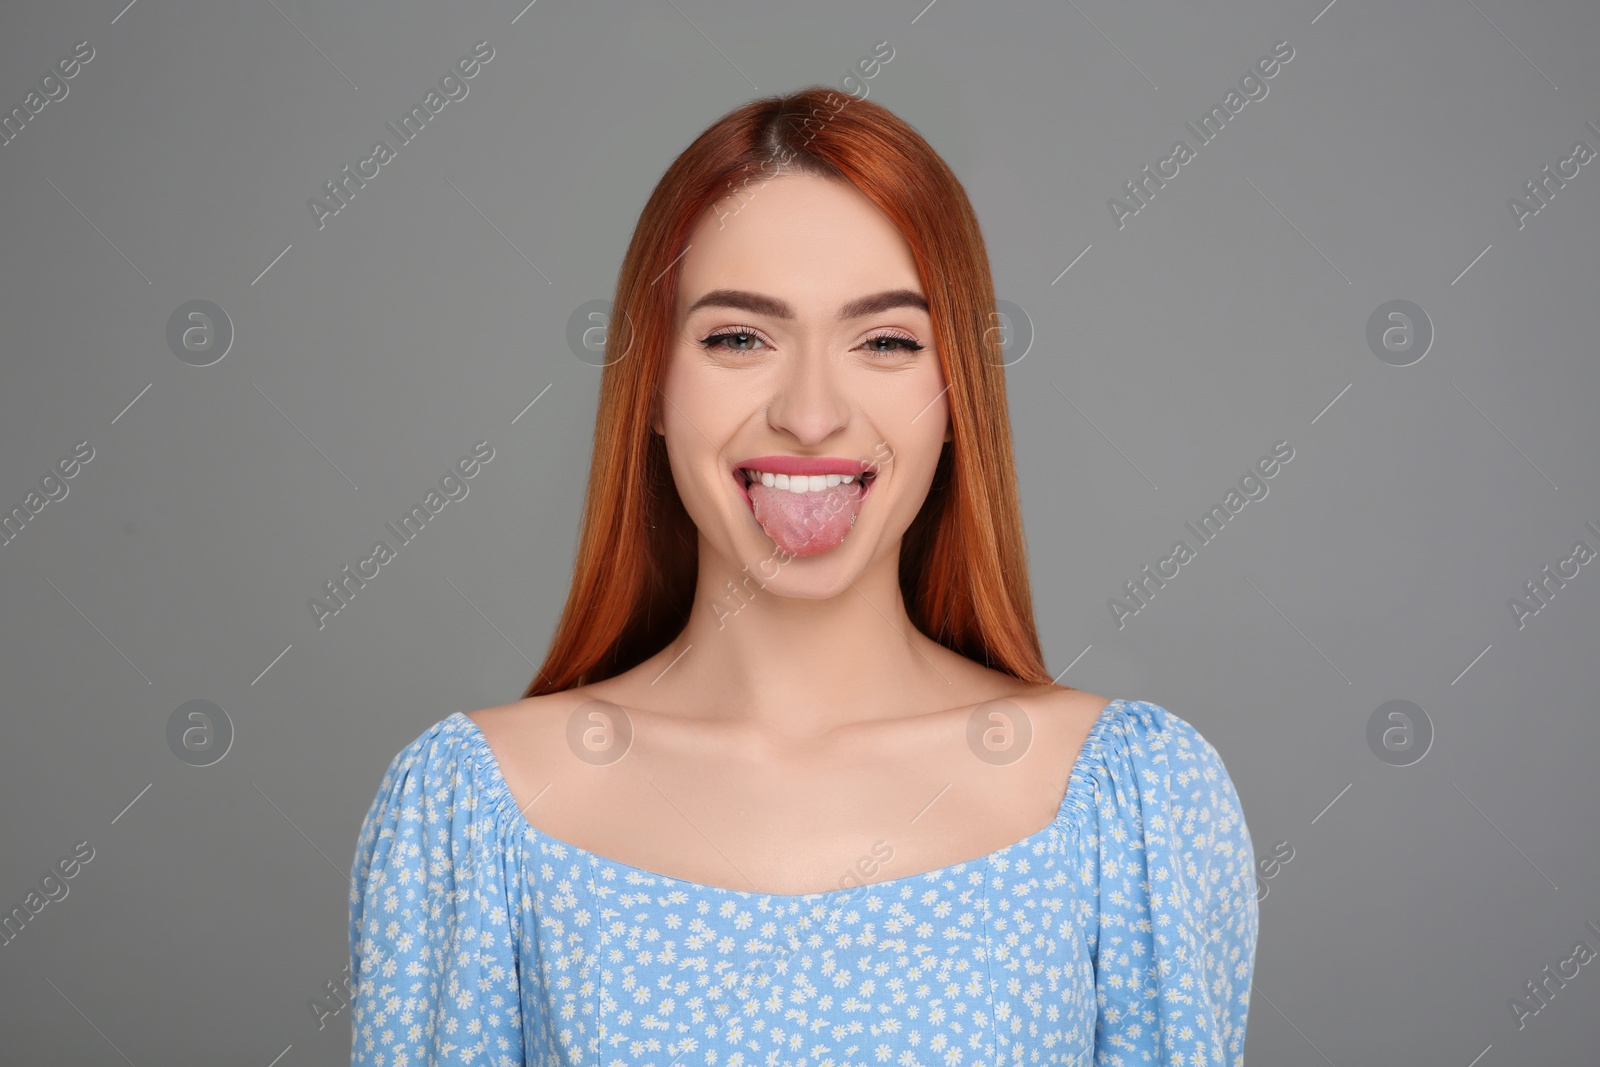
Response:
column 962, row 569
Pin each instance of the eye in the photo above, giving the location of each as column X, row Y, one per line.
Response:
column 740, row 339
column 739, row 333
column 910, row 343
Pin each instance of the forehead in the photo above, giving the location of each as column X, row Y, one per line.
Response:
column 809, row 240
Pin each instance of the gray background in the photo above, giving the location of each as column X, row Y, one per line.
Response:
column 369, row 355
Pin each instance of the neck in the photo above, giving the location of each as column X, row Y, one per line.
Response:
column 796, row 648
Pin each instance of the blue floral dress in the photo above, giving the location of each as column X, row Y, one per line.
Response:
column 1122, row 933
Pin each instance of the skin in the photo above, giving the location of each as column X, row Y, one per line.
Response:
column 789, row 745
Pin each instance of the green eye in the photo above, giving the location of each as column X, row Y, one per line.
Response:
column 910, row 343
column 716, row 340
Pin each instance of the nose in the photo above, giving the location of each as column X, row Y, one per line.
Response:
column 808, row 403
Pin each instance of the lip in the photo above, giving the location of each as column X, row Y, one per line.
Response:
column 803, row 465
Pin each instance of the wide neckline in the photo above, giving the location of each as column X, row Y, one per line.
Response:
column 1073, row 802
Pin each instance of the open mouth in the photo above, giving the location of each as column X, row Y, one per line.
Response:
column 805, row 521
column 744, row 477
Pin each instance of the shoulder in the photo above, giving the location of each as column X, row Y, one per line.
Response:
column 1151, row 759
column 1075, row 704
column 451, row 758
column 1138, row 748
column 1065, row 700
column 1053, row 706
column 501, row 720
column 1064, row 719
column 436, row 787
column 1170, row 787
column 441, row 744
column 438, row 763
column 531, row 739
column 1058, row 726
column 1153, row 735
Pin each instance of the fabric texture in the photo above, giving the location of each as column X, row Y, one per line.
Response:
column 1123, row 933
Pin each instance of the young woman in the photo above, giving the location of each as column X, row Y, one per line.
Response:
column 793, row 785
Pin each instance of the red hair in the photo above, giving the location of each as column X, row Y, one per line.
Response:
column 963, row 570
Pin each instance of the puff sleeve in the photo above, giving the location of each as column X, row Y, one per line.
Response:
column 1174, row 891
column 432, row 949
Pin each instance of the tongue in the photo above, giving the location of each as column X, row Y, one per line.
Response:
column 805, row 524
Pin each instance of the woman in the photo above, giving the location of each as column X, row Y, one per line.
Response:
column 793, row 785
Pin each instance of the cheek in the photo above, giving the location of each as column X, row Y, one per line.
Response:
column 681, row 395
column 699, row 415
column 915, row 414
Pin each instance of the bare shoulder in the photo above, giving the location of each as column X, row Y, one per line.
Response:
column 1062, row 717
column 514, row 715
column 1074, row 707
column 527, row 737
column 1076, row 701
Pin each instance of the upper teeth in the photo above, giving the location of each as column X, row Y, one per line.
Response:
column 799, row 483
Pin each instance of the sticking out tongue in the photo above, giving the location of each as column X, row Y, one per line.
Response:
column 805, row 524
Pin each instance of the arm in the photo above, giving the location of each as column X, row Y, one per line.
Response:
column 1174, row 947
column 431, row 944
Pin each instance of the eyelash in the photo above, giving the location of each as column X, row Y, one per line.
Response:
column 714, row 341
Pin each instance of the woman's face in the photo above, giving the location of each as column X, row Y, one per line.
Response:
column 802, row 334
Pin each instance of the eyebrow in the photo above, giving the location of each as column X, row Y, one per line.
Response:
column 760, row 304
